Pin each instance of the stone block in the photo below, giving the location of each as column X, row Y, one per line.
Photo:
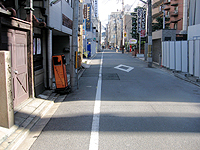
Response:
column 6, row 100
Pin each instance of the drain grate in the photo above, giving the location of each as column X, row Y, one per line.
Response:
column 110, row 76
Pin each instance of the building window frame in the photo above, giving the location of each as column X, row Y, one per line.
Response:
column 175, row 25
column 37, row 52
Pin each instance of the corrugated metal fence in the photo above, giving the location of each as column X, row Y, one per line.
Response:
column 182, row 56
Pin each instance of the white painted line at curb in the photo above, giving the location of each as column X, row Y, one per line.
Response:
column 94, row 137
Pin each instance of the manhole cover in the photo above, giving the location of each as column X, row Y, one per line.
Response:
column 110, row 76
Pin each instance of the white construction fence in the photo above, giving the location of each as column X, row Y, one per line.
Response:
column 183, row 56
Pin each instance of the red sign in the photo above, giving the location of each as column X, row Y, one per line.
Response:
column 142, row 33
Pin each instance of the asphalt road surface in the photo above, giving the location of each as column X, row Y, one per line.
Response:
column 121, row 104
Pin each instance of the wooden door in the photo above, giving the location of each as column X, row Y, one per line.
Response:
column 17, row 41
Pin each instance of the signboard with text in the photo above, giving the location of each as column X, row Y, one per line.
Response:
column 141, row 20
column 139, row 16
column 85, row 11
column 88, row 20
column 132, row 41
column 80, row 14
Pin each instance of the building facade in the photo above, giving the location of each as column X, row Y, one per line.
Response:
column 128, row 26
column 91, row 28
column 170, row 9
column 34, row 31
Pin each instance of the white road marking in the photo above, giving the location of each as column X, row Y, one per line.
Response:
column 94, row 137
column 124, row 68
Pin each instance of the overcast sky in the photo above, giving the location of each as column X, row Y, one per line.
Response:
column 108, row 6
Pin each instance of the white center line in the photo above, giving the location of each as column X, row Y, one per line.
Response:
column 94, row 137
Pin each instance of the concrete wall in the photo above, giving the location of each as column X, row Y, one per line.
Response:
column 157, row 50
column 6, row 100
column 161, row 34
column 158, row 37
column 194, row 12
column 169, row 33
column 193, row 31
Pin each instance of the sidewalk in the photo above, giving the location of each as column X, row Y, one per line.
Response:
column 28, row 114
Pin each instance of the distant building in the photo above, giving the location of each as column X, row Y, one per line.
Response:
column 128, row 26
column 114, row 29
column 91, row 29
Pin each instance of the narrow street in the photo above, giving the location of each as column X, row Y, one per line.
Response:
column 121, row 104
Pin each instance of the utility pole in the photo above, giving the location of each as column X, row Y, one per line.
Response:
column 73, row 70
column 115, row 31
column 149, row 56
column 163, row 18
column 29, row 11
column 122, row 28
column 123, row 22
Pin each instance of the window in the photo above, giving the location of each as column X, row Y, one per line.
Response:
column 37, row 53
column 176, row 9
column 167, row 15
column 37, row 50
column 160, row 8
column 175, row 26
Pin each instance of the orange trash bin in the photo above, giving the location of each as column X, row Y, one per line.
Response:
column 60, row 72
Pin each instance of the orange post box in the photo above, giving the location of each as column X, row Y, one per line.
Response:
column 59, row 65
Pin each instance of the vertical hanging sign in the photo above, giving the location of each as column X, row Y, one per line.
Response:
column 143, row 22
column 88, row 20
column 96, row 8
column 139, row 20
column 85, row 11
column 80, row 14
